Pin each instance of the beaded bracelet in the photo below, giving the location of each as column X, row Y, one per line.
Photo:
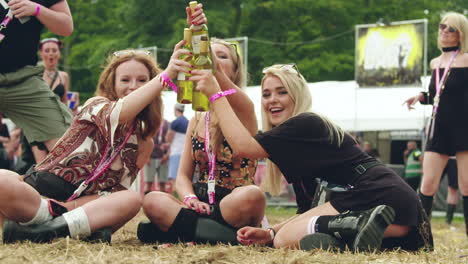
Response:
column 221, row 94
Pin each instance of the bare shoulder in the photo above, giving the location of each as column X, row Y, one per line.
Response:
column 434, row 62
column 462, row 60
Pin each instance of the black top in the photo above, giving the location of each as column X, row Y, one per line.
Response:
column 19, row 48
column 60, row 88
column 453, row 102
column 301, row 149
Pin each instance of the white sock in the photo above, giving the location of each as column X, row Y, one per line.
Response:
column 311, row 225
column 42, row 215
column 78, row 223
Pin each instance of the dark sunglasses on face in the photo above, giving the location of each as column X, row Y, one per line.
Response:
column 450, row 28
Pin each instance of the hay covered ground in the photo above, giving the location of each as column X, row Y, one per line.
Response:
column 451, row 247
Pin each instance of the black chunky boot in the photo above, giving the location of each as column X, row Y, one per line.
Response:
column 148, row 232
column 362, row 230
column 103, row 235
column 13, row 232
column 322, row 241
column 212, row 232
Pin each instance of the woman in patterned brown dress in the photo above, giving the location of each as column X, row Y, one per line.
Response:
column 118, row 123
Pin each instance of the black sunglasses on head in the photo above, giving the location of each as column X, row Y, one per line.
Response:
column 450, row 28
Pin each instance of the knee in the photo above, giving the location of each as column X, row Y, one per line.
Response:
column 133, row 201
column 154, row 204
column 252, row 199
column 7, row 179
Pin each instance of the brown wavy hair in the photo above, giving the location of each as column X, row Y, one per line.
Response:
column 149, row 119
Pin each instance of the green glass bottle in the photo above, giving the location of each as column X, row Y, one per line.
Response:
column 203, row 62
column 198, row 31
column 185, row 87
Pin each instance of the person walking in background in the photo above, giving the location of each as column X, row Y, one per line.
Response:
column 157, row 167
column 176, row 138
column 26, row 98
column 413, row 157
column 448, row 130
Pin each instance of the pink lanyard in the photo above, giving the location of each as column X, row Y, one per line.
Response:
column 439, row 82
column 211, row 161
column 103, row 165
column 8, row 18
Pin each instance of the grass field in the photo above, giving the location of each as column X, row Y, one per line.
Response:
column 451, row 246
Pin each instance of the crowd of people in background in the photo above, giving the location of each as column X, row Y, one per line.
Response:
column 67, row 172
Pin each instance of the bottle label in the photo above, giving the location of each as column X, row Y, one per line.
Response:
column 181, row 76
column 196, row 41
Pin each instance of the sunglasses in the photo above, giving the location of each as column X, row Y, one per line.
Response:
column 450, row 28
column 290, row 67
column 122, row 53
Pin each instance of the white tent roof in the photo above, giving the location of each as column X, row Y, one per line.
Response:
column 351, row 107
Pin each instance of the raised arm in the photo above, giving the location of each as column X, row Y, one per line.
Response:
column 137, row 100
column 240, row 102
column 57, row 18
column 238, row 137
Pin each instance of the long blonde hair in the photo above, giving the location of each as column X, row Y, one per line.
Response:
column 298, row 90
column 150, row 117
column 460, row 22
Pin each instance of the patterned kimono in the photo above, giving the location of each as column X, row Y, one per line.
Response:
column 80, row 149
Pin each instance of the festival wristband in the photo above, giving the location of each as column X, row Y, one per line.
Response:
column 221, row 94
column 38, row 10
column 189, row 197
column 168, row 82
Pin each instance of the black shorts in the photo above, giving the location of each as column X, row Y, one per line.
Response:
column 381, row 186
column 201, row 191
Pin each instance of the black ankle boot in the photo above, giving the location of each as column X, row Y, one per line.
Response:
column 322, row 241
column 103, row 235
column 362, row 230
column 450, row 211
column 148, row 232
column 212, row 232
column 13, row 232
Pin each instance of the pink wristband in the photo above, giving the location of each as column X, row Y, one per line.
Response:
column 221, row 94
column 38, row 10
column 168, row 81
column 189, row 197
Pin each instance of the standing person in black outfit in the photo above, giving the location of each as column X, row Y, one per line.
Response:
column 58, row 81
column 374, row 202
column 24, row 96
column 448, row 130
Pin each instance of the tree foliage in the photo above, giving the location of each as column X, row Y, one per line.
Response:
column 318, row 35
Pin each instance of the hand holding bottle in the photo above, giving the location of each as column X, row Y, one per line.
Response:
column 176, row 64
column 206, row 82
column 197, row 18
